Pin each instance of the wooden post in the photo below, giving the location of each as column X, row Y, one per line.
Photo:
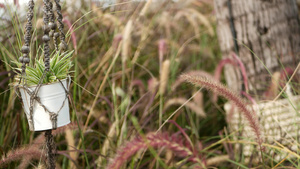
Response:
column 267, row 35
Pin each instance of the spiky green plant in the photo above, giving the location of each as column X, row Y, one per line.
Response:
column 60, row 65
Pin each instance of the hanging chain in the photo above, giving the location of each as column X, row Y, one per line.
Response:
column 27, row 38
column 63, row 45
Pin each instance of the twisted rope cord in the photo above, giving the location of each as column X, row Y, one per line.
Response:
column 50, row 147
column 51, row 14
column 48, row 16
column 24, row 59
column 46, row 37
column 27, row 38
column 63, row 44
column 53, row 27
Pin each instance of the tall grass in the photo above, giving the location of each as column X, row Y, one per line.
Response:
column 126, row 86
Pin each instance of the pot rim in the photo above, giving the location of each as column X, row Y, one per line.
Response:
column 43, row 84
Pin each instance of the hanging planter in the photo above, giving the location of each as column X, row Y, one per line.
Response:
column 50, row 108
column 43, row 85
column 53, row 109
column 43, row 82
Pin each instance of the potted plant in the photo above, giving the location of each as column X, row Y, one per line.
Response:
column 45, row 92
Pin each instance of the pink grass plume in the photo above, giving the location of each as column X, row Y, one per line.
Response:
column 243, row 70
column 17, row 4
column 2, row 6
column 117, row 39
column 285, row 74
column 73, row 35
column 235, row 62
column 218, row 72
column 154, row 140
column 230, row 95
column 18, row 154
column 162, row 48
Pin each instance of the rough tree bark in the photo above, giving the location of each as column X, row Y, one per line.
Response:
column 269, row 28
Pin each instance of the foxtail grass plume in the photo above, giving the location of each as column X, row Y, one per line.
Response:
column 230, row 95
column 164, row 76
column 116, row 41
column 193, row 106
column 161, row 51
column 39, row 23
column 37, row 144
column 16, row 3
column 18, row 154
column 191, row 73
column 40, row 166
column 218, row 72
column 152, row 85
column 145, row 8
column 202, row 19
column 243, row 70
column 190, row 17
column 73, row 35
column 126, row 41
column 235, row 62
column 198, row 99
column 155, row 140
column 273, row 90
column 221, row 65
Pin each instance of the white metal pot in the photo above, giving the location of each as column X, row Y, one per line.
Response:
column 53, row 97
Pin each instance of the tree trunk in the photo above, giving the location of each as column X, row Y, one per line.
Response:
column 267, row 34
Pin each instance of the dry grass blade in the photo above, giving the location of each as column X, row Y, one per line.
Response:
column 71, row 147
column 217, row 160
column 145, row 8
column 105, row 148
column 192, row 20
column 203, row 19
column 100, row 89
column 193, row 106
